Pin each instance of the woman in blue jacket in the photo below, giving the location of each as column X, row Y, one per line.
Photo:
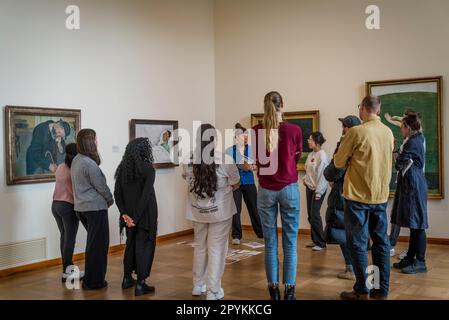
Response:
column 410, row 201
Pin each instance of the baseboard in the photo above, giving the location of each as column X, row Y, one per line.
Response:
column 430, row 240
column 174, row 235
column 80, row 256
column 441, row 241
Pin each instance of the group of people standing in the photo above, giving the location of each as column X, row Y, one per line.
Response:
column 359, row 175
column 82, row 195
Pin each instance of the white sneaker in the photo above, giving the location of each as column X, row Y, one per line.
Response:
column 215, row 295
column 199, row 290
column 318, row 248
column 403, row 254
column 236, row 242
column 392, row 252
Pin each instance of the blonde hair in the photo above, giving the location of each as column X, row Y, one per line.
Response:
column 272, row 105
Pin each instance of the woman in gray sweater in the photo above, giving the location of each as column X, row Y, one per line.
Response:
column 92, row 199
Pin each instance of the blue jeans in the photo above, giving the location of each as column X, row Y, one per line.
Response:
column 361, row 222
column 339, row 236
column 268, row 202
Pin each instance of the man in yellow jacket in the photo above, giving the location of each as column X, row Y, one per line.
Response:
column 366, row 152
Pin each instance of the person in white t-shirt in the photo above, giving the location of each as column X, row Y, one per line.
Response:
column 211, row 181
column 316, row 187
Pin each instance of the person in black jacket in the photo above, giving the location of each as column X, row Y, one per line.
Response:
column 335, row 224
column 136, row 200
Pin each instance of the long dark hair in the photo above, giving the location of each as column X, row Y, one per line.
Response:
column 70, row 153
column 86, row 144
column 138, row 152
column 204, row 167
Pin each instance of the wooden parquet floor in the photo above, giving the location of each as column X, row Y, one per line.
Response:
column 172, row 277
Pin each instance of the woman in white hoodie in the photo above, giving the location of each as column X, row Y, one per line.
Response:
column 316, row 187
column 211, row 182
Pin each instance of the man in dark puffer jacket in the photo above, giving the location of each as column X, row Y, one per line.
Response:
column 335, row 225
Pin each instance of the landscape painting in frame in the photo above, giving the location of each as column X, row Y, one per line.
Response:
column 35, row 141
column 421, row 95
column 161, row 134
column 309, row 121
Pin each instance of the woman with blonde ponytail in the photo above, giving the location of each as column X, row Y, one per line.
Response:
column 278, row 147
column 271, row 119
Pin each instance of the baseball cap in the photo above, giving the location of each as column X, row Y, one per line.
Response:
column 350, row 121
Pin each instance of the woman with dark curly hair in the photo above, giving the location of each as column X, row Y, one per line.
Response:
column 212, row 180
column 136, row 200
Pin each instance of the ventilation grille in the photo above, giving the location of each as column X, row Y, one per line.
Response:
column 23, row 252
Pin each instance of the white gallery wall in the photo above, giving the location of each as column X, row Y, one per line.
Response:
column 318, row 55
column 208, row 60
column 146, row 59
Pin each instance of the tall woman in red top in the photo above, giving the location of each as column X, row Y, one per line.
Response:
column 278, row 150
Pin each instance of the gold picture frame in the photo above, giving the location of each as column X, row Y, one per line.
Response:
column 29, row 145
column 309, row 121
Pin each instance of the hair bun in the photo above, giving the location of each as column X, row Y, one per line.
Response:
column 238, row 126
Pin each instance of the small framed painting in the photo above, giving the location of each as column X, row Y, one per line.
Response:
column 309, row 121
column 35, row 141
column 161, row 134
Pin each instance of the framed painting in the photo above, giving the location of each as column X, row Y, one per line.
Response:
column 161, row 135
column 423, row 95
column 309, row 121
column 35, row 141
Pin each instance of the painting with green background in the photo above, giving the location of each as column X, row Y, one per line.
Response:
column 418, row 98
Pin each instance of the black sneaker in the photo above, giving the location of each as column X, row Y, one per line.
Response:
column 275, row 294
column 142, row 288
column 416, row 267
column 289, row 292
column 402, row 264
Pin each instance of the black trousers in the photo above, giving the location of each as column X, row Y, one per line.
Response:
column 249, row 193
column 139, row 253
column 97, row 247
column 314, row 217
column 417, row 245
column 68, row 223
